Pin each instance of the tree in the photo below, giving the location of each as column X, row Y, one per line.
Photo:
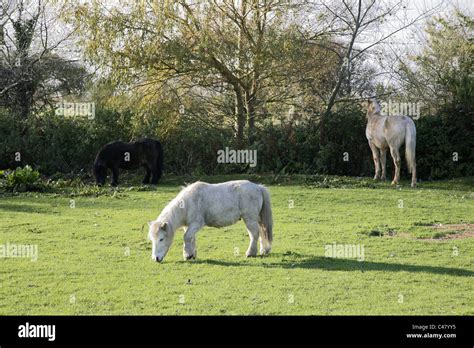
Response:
column 351, row 22
column 441, row 75
column 212, row 49
column 31, row 73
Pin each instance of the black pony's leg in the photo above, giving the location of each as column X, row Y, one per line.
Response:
column 146, row 180
column 115, row 175
column 157, row 170
column 154, row 175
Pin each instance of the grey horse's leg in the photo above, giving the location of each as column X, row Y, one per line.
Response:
column 383, row 161
column 376, row 157
column 397, row 162
column 413, row 175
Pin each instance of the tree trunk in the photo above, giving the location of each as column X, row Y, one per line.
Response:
column 240, row 115
column 250, row 101
column 240, row 94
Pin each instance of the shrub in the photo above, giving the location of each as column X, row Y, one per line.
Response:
column 22, row 179
column 444, row 145
column 67, row 146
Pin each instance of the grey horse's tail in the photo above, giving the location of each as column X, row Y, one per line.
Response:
column 410, row 146
column 266, row 222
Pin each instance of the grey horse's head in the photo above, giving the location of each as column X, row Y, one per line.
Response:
column 373, row 107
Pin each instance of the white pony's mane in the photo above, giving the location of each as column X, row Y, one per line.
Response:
column 170, row 213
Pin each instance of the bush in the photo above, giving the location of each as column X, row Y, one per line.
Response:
column 444, row 145
column 55, row 143
column 317, row 147
column 21, row 179
column 323, row 147
column 62, row 146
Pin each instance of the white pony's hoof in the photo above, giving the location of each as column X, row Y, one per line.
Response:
column 264, row 252
column 189, row 257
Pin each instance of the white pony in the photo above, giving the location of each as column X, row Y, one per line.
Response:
column 384, row 132
column 216, row 205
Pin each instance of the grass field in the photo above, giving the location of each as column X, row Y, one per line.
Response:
column 94, row 257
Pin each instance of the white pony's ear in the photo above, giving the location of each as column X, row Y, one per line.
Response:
column 163, row 225
column 153, row 229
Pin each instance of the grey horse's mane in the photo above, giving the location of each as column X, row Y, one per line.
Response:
column 377, row 109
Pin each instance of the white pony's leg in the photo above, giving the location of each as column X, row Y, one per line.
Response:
column 383, row 161
column 253, row 231
column 376, row 157
column 397, row 162
column 189, row 247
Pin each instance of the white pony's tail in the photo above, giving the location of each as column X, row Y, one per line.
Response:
column 410, row 146
column 266, row 222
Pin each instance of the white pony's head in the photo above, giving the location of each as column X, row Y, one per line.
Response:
column 373, row 107
column 161, row 237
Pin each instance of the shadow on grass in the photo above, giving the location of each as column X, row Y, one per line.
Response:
column 330, row 264
column 27, row 208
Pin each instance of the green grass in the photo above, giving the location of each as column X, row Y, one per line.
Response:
column 83, row 266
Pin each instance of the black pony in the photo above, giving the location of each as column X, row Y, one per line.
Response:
column 118, row 154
